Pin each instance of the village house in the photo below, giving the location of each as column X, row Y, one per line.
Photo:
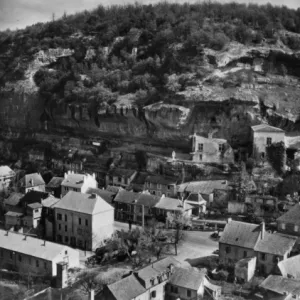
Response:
column 6, row 175
column 198, row 203
column 32, row 182
column 244, row 269
column 212, row 191
column 36, row 155
column 54, row 186
column 167, row 205
column 83, row 220
column 190, row 283
column 125, row 206
column 160, row 185
column 33, row 214
column 263, row 136
column 289, row 223
column 262, row 205
column 120, row 177
column 77, row 183
column 278, row 287
column 211, row 150
column 242, row 240
column 27, row 254
column 146, row 283
column 12, row 220
column 104, row 194
column 290, row 267
column 11, row 203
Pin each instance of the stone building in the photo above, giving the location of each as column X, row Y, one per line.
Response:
column 211, row 150
column 263, row 136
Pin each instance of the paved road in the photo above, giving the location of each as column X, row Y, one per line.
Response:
column 196, row 244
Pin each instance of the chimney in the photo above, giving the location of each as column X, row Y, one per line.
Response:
column 69, row 172
column 66, row 175
column 163, row 196
column 262, row 230
column 44, row 242
column 94, row 175
column 31, row 182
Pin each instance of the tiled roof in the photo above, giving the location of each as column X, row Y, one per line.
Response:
column 275, row 244
column 266, row 128
column 83, row 203
column 13, row 199
column 240, row 234
column 126, row 289
column 292, row 216
column 33, row 197
column 172, row 204
column 50, row 201
column 161, row 179
column 30, row 246
column 114, row 189
column 104, row 194
column 55, row 182
column 281, row 285
column 204, row 187
column 73, row 180
column 35, row 205
column 147, row 200
column 122, row 172
column 13, row 214
column 126, row 197
column 187, row 278
column 290, row 266
column 6, row 171
column 33, row 179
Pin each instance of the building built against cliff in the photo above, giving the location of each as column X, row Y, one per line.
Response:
column 263, row 136
column 161, row 185
column 211, row 150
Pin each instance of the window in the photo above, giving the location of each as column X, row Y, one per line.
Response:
column 59, row 226
column 189, row 293
column 66, row 218
column 262, row 154
column 11, row 255
column 59, row 238
column 169, row 187
column 200, row 147
column 66, row 252
column 79, row 221
column 36, row 210
column 263, row 256
column 275, row 259
column 227, row 249
column 45, row 265
column 174, row 289
column 66, row 228
column 200, row 156
column 159, row 186
column 283, row 226
column 296, row 228
column 66, row 239
column 153, row 294
column 120, row 179
column 86, row 222
column 245, row 254
column 37, row 263
column 152, row 281
column 269, row 141
column 20, row 257
column 59, row 217
column 221, row 147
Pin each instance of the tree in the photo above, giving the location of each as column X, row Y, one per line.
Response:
column 178, row 220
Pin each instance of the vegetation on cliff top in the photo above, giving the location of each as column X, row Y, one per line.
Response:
column 137, row 49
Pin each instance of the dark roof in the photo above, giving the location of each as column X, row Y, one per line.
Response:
column 147, row 200
column 13, row 199
column 84, row 203
column 114, row 189
column 161, row 179
column 240, row 234
column 33, row 179
column 34, row 197
column 281, row 285
column 55, row 182
column 275, row 243
column 187, row 278
column 126, row 197
column 122, row 172
column 266, row 128
column 292, row 216
column 290, row 266
column 126, row 289
column 104, row 194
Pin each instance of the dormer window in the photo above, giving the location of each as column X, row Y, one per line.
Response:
column 269, row 141
column 221, row 147
column 152, row 280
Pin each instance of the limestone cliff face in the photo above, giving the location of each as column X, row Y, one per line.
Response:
column 209, row 105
